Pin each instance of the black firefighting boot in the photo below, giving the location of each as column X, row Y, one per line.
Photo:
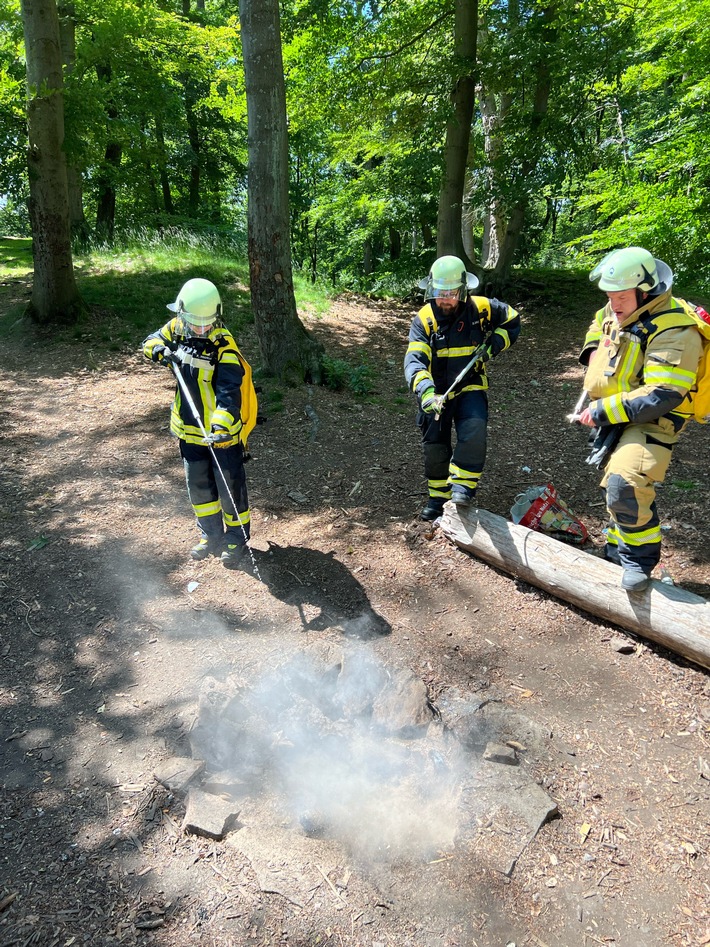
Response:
column 433, row 510
column 207, row 546
column 462, row 496
column 233, row 555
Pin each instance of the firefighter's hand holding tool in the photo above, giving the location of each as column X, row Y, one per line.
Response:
column 432, row 403
column 219, row 437
column 164, row 355
column 481, row 355
column 581, row 412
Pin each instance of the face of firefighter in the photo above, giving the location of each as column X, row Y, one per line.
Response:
column 199, row 330
column 447, row 299
column 623, row 303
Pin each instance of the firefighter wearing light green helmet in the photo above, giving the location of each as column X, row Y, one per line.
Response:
column 216, row 378
column 198, row 306
column 642, row 352
column 446, row 275
column 450, row 384
column 632, row 268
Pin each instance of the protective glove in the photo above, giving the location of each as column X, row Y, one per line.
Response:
column 164, row 356
column 219, row 437
column 484, row 355
column 430, row 402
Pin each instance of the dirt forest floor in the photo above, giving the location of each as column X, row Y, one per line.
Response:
column 115, row 649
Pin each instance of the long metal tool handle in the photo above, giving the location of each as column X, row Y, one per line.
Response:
column 476, row 357
column 578, row 408
column 196, row 415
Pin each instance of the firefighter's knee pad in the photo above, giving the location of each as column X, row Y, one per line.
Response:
column 472, row 429
column 200, row 479
column 436, row 457
column 621, row 500
column 630, row 504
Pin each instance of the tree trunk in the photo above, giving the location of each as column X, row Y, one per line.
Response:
column 395, row 243
column 543, row 88
column 494, row 223
column 108, row 171
column 287, row 349
column 458, row 133
column 193, row 136
column 678, row 620
column 163, row 167
column 67, row 40
column 55, row 296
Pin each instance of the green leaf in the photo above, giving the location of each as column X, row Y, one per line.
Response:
column 38, row 543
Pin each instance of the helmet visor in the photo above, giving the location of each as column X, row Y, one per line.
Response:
column 190, row 326
column 435, row 293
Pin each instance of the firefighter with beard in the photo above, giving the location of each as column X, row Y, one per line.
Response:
column 198, row 346
column 642, row 352
column 444, row 336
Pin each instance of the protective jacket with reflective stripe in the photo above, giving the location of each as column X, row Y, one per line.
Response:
column 441, row 344
column 212, row 370
column 644, row 369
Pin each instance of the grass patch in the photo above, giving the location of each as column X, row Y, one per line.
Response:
column 128, row 286
column 340, row 375
column 685, row 484
column 15, row 256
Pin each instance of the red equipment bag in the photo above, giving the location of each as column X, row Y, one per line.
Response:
column 542, row 509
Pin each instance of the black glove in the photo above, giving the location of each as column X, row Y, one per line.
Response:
column 485, row 353
column 163, row 355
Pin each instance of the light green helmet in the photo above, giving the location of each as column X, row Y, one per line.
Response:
column 198, row 303
column 632, row 268
column 446, row 274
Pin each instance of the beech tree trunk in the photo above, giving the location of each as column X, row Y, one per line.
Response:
column 55, row 296
column 108, row 171
column 670, row 616
column 67, row 39
column 286, row 347
column 541, row 99
column 458, row 134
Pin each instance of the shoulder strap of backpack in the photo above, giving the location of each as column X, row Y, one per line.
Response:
column 656, row 322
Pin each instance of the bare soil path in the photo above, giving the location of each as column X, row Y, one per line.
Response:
column 112, row 640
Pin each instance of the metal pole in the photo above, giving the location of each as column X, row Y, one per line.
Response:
column 462, row 374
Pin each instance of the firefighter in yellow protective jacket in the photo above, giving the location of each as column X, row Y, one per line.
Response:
column 450, row 340
column 198, row 346
column 642, row 353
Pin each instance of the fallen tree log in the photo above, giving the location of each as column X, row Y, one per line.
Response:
column 666, row 614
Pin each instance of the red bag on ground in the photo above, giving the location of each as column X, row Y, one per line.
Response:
column 542, row 509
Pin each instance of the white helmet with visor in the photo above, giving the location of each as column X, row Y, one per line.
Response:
column 632, row 268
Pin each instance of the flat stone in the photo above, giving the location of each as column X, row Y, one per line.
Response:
column 208, row 815
column 623, row 645
column 499, row 753
column 176, row 773
column 225, row 784
column 402, row 706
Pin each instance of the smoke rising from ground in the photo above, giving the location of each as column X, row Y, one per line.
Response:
column 315, row 736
